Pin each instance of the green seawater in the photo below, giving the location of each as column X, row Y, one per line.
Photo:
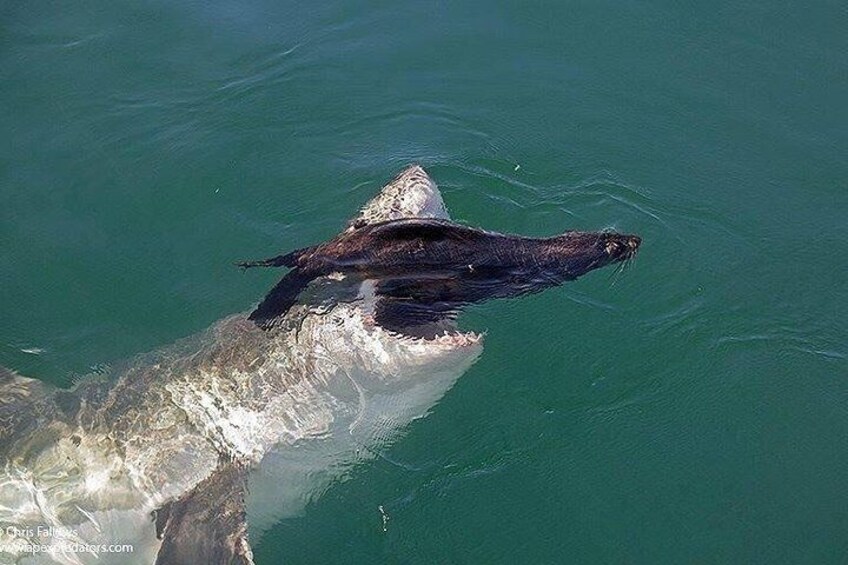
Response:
column 692, row 410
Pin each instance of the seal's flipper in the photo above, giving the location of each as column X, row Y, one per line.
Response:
column 17, row 389
column 281, row 298
column 287, row 260
column 412, row 194
column 209, row 524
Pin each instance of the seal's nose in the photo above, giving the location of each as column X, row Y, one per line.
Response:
column 633, row 242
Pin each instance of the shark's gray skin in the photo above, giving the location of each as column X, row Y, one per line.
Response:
column 160, row 455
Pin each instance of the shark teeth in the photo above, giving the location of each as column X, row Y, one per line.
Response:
column 456, row 339
column 450, row 339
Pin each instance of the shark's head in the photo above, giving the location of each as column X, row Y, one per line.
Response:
column 389, row 318
column 380, row 356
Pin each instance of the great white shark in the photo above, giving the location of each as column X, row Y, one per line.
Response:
column 166, row 460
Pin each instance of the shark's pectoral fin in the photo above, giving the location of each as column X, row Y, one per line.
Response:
column 24, row 405
column 282, row 297
column 209, row 524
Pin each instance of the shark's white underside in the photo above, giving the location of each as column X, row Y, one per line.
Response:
column 299, row 405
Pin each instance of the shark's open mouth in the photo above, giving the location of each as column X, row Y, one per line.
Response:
column 441, row 331
column 449, row 337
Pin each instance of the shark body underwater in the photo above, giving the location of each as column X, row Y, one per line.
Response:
column 261, row 413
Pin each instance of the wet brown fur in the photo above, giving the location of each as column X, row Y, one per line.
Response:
column 436, row 266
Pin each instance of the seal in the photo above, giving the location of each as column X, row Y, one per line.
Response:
column 152, row 463
column 425, row 270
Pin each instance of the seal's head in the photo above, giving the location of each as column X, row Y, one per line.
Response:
column 574, row 253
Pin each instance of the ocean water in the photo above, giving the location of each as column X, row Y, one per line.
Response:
column 692, row 410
